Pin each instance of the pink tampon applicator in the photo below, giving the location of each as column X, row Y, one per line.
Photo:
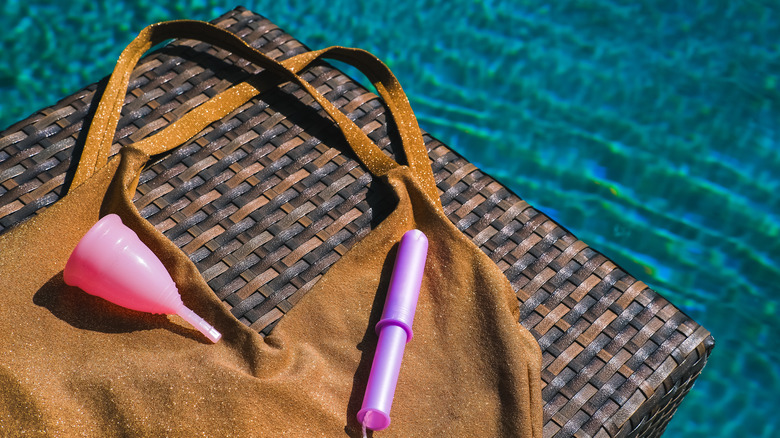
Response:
column 394, row 330
column 111, row 262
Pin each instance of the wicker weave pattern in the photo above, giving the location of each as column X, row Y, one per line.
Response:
column 267, row 199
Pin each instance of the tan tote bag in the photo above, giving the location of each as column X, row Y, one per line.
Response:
column 75, row 365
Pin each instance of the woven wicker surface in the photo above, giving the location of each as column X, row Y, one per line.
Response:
column 267, row 199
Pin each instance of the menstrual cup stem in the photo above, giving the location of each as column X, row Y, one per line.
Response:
column 199, row 323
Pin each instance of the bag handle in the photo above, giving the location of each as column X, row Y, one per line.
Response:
column 101, row 132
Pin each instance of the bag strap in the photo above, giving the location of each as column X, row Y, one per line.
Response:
column 101, row 131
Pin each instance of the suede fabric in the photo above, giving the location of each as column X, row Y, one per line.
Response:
column 75, row 365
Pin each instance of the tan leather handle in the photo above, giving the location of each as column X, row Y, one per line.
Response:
column 101, row 131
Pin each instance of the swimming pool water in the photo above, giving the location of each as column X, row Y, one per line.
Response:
column 648, row 128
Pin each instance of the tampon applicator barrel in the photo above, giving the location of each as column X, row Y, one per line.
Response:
column 111, row 262
column 394, row 330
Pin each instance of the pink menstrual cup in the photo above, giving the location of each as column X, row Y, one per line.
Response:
column 111, row 262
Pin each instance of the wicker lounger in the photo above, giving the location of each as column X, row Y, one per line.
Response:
column 266, row 200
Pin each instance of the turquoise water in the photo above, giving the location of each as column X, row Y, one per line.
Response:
column 648, row 128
